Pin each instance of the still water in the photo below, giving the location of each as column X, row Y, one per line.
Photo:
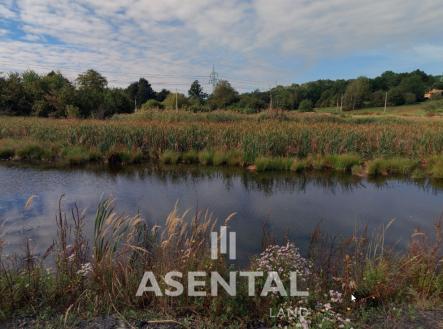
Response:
column 291, row 205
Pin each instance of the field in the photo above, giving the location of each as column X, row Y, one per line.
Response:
column 271, row 140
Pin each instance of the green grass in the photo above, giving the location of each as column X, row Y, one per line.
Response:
column 206, row 157
column 344, row 162
column 32, row 152
column 394, row 166
column 219, row 158
column 76, row 155
column 170, row 157
column 190, row 157
column 413, row 110
column 273, row 164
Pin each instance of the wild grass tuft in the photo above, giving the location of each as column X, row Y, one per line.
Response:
column 190, row 157
column 299, row 165
column 206, row 157
column 170, row 157
column 219, row 158
column 394, row 166
column 273, row 164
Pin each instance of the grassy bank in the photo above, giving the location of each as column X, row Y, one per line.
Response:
column 99, row 275
column 313, row 141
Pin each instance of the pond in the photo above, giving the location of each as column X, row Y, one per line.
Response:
column 289, row 204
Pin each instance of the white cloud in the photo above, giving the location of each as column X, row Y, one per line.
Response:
column 176, row 40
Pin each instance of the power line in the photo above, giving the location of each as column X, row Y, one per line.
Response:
column 213, row 78
column 165, row 79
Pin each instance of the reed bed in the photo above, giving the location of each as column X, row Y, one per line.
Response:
column 99, row 274
column 297, row 142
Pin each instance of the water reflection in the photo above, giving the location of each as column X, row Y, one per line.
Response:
column 291, row 204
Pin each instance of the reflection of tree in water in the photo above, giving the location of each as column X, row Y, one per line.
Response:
column 267, row 182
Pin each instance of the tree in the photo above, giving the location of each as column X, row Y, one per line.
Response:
column 13, row 97
column 395, row 96
column 116, row 101
column 283, row 98
column 223, row 95
column 141, row 91
column 90, row 94
column 413, row 84
column 306, row 106
column 196, row 93
column 92, row 80
column 170, row 101
column 161, row 96
column 144, row 92
column 253, row 102
column 356, row 93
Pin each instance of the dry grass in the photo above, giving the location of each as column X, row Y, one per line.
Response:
column 100, row 274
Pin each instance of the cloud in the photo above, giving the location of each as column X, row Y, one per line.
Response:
column 172, row 42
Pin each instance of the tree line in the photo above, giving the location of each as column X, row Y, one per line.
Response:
column 89, row 96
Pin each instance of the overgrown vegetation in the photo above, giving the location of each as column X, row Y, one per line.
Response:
column 99, row 274
column 89, row 96
column 297, row 142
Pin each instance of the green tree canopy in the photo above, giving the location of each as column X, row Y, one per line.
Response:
column 196, row 93
column 223, row 95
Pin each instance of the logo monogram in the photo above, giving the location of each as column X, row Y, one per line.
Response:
column 223, row 238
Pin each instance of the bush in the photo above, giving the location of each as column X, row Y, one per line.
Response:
column 306, row 106
column 72, row 112
column 152, row 104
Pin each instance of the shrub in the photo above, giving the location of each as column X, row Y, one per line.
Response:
column 306, row 106
column 72, row 112
column 152, row 104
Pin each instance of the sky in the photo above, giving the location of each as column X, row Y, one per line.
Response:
column 251, row 43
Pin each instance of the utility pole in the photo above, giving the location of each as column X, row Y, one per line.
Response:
column 135, row 104
column 270, row 98
column 386, row 101
column 176, row 100
column 341, row 103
